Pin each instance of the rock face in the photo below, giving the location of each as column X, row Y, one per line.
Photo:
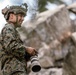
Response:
column 51, row 71
column 72, row 8
column 42, row 34
column 47, row 27
column 69, row 67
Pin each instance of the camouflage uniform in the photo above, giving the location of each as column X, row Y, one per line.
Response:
column 12, row 55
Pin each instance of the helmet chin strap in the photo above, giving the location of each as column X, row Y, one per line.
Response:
column 17, row 24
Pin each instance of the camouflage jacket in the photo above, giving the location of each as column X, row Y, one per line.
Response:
column 12, row 45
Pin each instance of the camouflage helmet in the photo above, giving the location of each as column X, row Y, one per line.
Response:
column 14, row 9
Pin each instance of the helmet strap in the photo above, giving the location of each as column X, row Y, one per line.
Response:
column 16, row 19
column 16, row 24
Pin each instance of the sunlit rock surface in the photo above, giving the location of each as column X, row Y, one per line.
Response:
column 42, row 34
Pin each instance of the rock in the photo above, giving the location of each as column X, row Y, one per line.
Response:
column 47, row 28
column 73, row 36
column 73, row 5
column 51, row 71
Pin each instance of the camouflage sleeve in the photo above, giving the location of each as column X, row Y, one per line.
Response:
column 12, row 44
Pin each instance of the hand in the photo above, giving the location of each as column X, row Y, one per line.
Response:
column 65, row 36
column 31, row 51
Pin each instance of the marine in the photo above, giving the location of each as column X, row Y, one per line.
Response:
column 13, row 51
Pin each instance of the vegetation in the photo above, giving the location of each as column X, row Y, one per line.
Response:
column 42, row 4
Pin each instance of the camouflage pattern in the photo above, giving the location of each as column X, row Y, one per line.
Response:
column 13, row 52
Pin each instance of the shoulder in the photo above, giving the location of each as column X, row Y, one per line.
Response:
column 8, row 27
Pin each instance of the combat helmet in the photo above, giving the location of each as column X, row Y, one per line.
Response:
column 14, row 9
